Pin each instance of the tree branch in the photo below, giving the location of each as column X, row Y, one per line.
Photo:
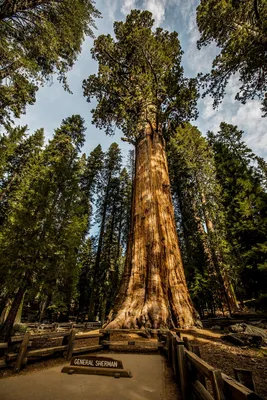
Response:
column 9, row 8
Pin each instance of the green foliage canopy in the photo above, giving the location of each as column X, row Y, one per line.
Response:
column 38, row 39
column 239, row 29
column 140, row 80
column 245, row 202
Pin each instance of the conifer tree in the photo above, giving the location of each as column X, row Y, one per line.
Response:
column 239, row 30
column 245, row 202
column 38, row 39
column 106, row 188
column 201, row 218
column 115, row 240
column 46, row 222
column 86, row 260
column 93, row 167
column 141, row 89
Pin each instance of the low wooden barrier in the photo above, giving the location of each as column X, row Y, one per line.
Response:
column 131, row 345
column 18, row 350
column 196, row 378
column 59, row 326
column 225, row 322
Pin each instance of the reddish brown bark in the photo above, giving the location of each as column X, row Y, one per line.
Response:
column 154, row 293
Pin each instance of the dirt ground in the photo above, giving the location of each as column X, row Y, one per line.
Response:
column 225, row 356
column 151, row 380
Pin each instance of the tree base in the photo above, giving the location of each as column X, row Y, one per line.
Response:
column 148, row 318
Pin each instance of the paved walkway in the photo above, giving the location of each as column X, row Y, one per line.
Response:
column 150, row 381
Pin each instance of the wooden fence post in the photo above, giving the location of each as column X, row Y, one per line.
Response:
column 183, row 372
column 174, row 357
column 105, row 338
column 200, row 376
column 70, row 344
column 217, row 385
column 186, row 343
column 22, row 352
column 245, row 377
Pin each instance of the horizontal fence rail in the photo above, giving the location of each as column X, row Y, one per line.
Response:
column 196, row 378
column 18, row 349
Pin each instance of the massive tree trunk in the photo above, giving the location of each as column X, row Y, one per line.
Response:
column 155, row 293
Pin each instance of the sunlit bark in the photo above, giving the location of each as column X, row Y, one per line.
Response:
column 154, row 293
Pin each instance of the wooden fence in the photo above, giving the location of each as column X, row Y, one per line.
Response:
column 225, row 322
column 195, row 376
column 18, row 350
column 59, row 326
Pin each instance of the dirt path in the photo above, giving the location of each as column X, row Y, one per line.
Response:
column 151, row 380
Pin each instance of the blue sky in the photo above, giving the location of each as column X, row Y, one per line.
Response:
column 53, row 104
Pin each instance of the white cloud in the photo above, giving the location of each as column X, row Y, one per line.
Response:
column 156, row 7
column 208, row 110
column 127, row 6
column 246, row 116
column 111, row 9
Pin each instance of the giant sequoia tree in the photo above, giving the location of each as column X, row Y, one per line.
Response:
column 140, row 88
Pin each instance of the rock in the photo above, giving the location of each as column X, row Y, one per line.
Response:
column 232, row 338
column 237, row 328
column 250, row 330
column 243, row 339
column 216, row 328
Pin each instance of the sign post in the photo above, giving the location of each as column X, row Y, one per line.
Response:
column 97, row 365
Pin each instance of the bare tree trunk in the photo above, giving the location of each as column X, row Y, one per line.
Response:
column 215, row 282
column 156, row 294
column 91, row 312
column 6, row 190
column 5, row 311
column 128, row 260
column 216, row 257
column 7, row 327
column 19, row 313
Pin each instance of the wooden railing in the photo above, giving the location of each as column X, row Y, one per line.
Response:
column 225, row 322
column 56, row 326
column 18, row 350
column 195, row 377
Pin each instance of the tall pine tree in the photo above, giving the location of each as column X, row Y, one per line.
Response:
column 245, row 202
